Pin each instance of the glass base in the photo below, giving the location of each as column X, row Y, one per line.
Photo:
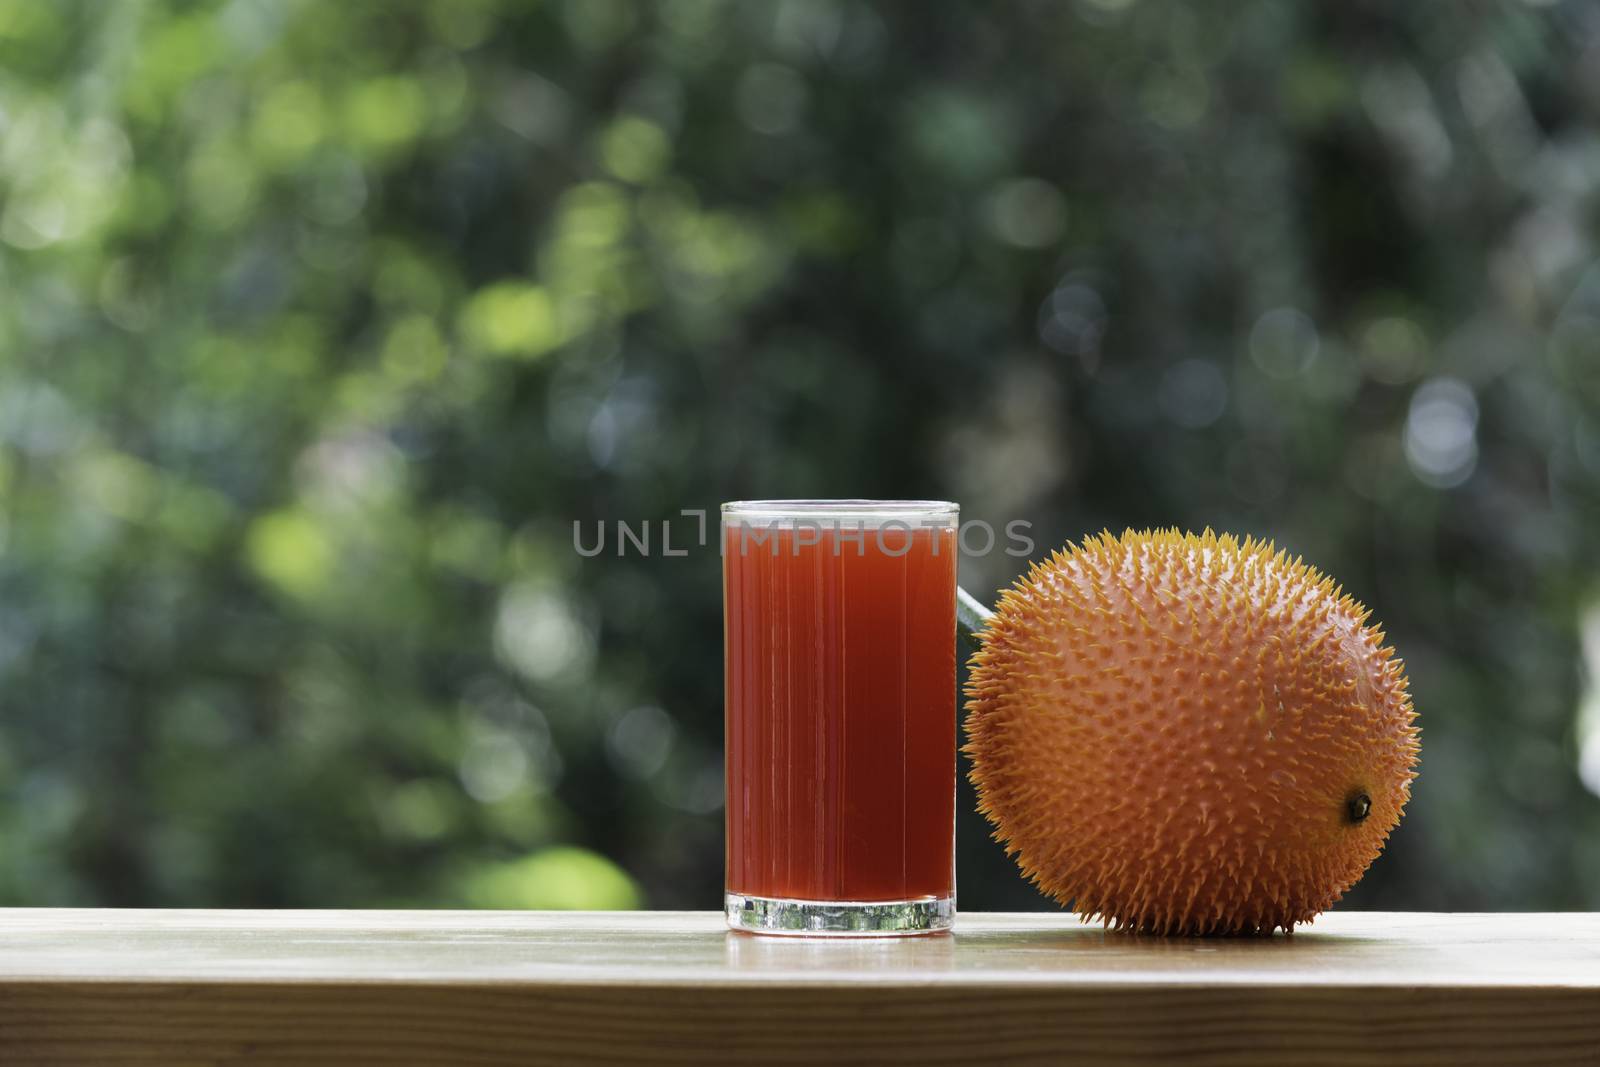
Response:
column 840, row 918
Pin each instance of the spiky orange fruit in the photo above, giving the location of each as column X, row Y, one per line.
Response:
column 1188, row 734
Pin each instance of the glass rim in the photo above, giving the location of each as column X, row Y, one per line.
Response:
column 779, row 510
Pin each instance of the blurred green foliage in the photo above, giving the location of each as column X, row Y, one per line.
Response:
column 320, row 324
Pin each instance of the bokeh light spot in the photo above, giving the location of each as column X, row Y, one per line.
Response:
column 1027, row 212
column 640, row 741
column 562, row 878
column 291, row 552
column 1283, row 343
column 1441, row 429
column 635, row 149
column 511, row 318
column 537, row 633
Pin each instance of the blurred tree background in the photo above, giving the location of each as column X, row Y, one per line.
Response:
column 321, row 323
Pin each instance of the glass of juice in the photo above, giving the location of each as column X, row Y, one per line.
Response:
column 839, row 654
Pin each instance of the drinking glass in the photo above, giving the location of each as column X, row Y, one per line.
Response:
column 839, row 654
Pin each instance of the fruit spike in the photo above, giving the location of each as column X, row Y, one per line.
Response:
column 1186, row 734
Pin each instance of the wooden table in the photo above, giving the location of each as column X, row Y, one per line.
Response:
column 177, row 987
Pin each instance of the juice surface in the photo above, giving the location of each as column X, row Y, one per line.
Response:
column 840, row 712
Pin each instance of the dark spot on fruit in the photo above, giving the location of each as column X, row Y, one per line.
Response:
column 1357, row 808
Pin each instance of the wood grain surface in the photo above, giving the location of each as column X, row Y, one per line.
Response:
column 180, row 987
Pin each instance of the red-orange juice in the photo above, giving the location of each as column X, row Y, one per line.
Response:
column 840, row 716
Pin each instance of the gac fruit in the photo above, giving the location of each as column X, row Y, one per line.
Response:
column 1186, row 734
